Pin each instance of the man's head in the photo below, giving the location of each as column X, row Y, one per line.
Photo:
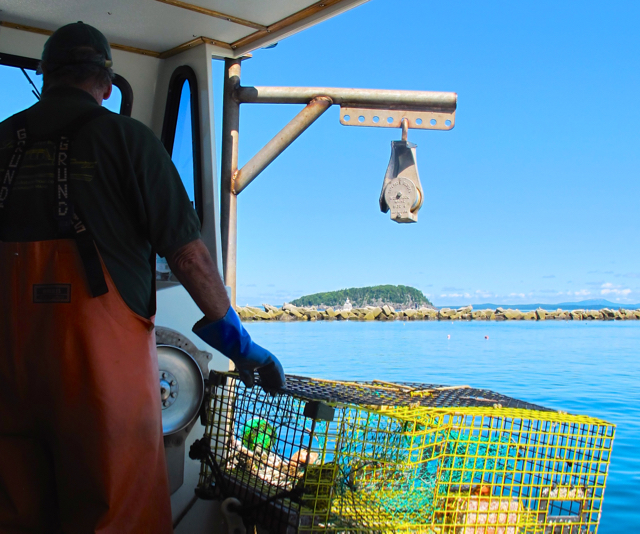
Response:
column 78, row 55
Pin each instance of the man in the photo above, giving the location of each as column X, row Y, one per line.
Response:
column 87, row 197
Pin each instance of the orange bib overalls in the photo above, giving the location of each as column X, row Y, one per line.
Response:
column 81, row 446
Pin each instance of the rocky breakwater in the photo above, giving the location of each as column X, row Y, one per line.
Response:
column 289, row 312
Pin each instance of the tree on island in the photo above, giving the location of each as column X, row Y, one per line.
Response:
column 399, row 297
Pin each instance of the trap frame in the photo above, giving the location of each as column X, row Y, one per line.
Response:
column 330, row 456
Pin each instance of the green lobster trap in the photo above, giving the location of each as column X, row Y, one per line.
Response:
column 329, row 456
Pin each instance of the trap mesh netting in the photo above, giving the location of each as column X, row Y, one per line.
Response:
column 330, row 456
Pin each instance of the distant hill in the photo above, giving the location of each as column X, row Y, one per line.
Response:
column 591, row 304
column 398, row 297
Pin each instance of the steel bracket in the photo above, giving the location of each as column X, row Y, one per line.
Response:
column 425, row 119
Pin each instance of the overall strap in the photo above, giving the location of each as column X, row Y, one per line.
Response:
column 19, row 126
column 68, row 220
column 64, row 207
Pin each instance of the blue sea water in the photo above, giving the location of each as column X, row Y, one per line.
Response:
column 584, row 367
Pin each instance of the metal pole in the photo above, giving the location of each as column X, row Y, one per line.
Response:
column 389, row 99
column 229, row 165
column 280, row 142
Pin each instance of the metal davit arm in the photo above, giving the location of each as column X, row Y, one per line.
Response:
column 409, row 109
column 363, row 97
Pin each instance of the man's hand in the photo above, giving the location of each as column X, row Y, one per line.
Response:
column 221, row 327
column 229, row 337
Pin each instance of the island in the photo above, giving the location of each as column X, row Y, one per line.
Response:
column 396, row 297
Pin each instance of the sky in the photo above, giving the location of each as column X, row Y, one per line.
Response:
column 532, row 197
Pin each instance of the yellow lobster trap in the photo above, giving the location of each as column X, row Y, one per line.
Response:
column 347, row 457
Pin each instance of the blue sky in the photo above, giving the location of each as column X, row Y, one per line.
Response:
column 532, row 197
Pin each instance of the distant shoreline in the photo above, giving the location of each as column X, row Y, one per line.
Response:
column 289, row 312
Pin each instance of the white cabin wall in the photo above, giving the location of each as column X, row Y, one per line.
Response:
column 176, row 309
column 21, row 43
column 142, row 74
column 199, row 59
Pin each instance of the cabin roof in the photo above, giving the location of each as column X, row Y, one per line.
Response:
column 162, row 28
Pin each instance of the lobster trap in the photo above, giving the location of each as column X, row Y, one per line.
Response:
column 340, row 457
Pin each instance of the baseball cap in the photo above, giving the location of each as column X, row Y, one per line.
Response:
column 61, row 48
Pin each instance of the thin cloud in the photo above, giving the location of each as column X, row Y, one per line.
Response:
column 611, row 289
column 623, row 292
column 628, row 275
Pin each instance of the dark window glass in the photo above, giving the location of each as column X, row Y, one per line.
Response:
column 182, row 154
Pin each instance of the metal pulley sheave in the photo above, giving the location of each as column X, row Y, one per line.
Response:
column 182, row 368
column 402, row 192
column 181, row 388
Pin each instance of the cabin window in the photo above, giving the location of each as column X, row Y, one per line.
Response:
column 181, row 131
column 22, row 87
column 18, row 93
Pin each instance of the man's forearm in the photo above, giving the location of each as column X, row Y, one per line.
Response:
column 193, row 267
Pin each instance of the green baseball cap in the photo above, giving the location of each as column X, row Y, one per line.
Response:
column 61, row 47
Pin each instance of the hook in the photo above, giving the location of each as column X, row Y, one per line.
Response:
column 405, row 128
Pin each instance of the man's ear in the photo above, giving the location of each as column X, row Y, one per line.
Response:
column 107, row 91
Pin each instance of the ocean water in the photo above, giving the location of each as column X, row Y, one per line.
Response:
column 586, row 367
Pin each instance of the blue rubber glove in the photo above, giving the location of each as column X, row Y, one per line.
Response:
column 229, row 337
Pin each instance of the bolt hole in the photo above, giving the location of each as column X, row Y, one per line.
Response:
column 433, row 122
column 376, row 119
column 447, row 123
column 389, row 120
column 418, row 121
column 361, row 118
column 347, row 118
